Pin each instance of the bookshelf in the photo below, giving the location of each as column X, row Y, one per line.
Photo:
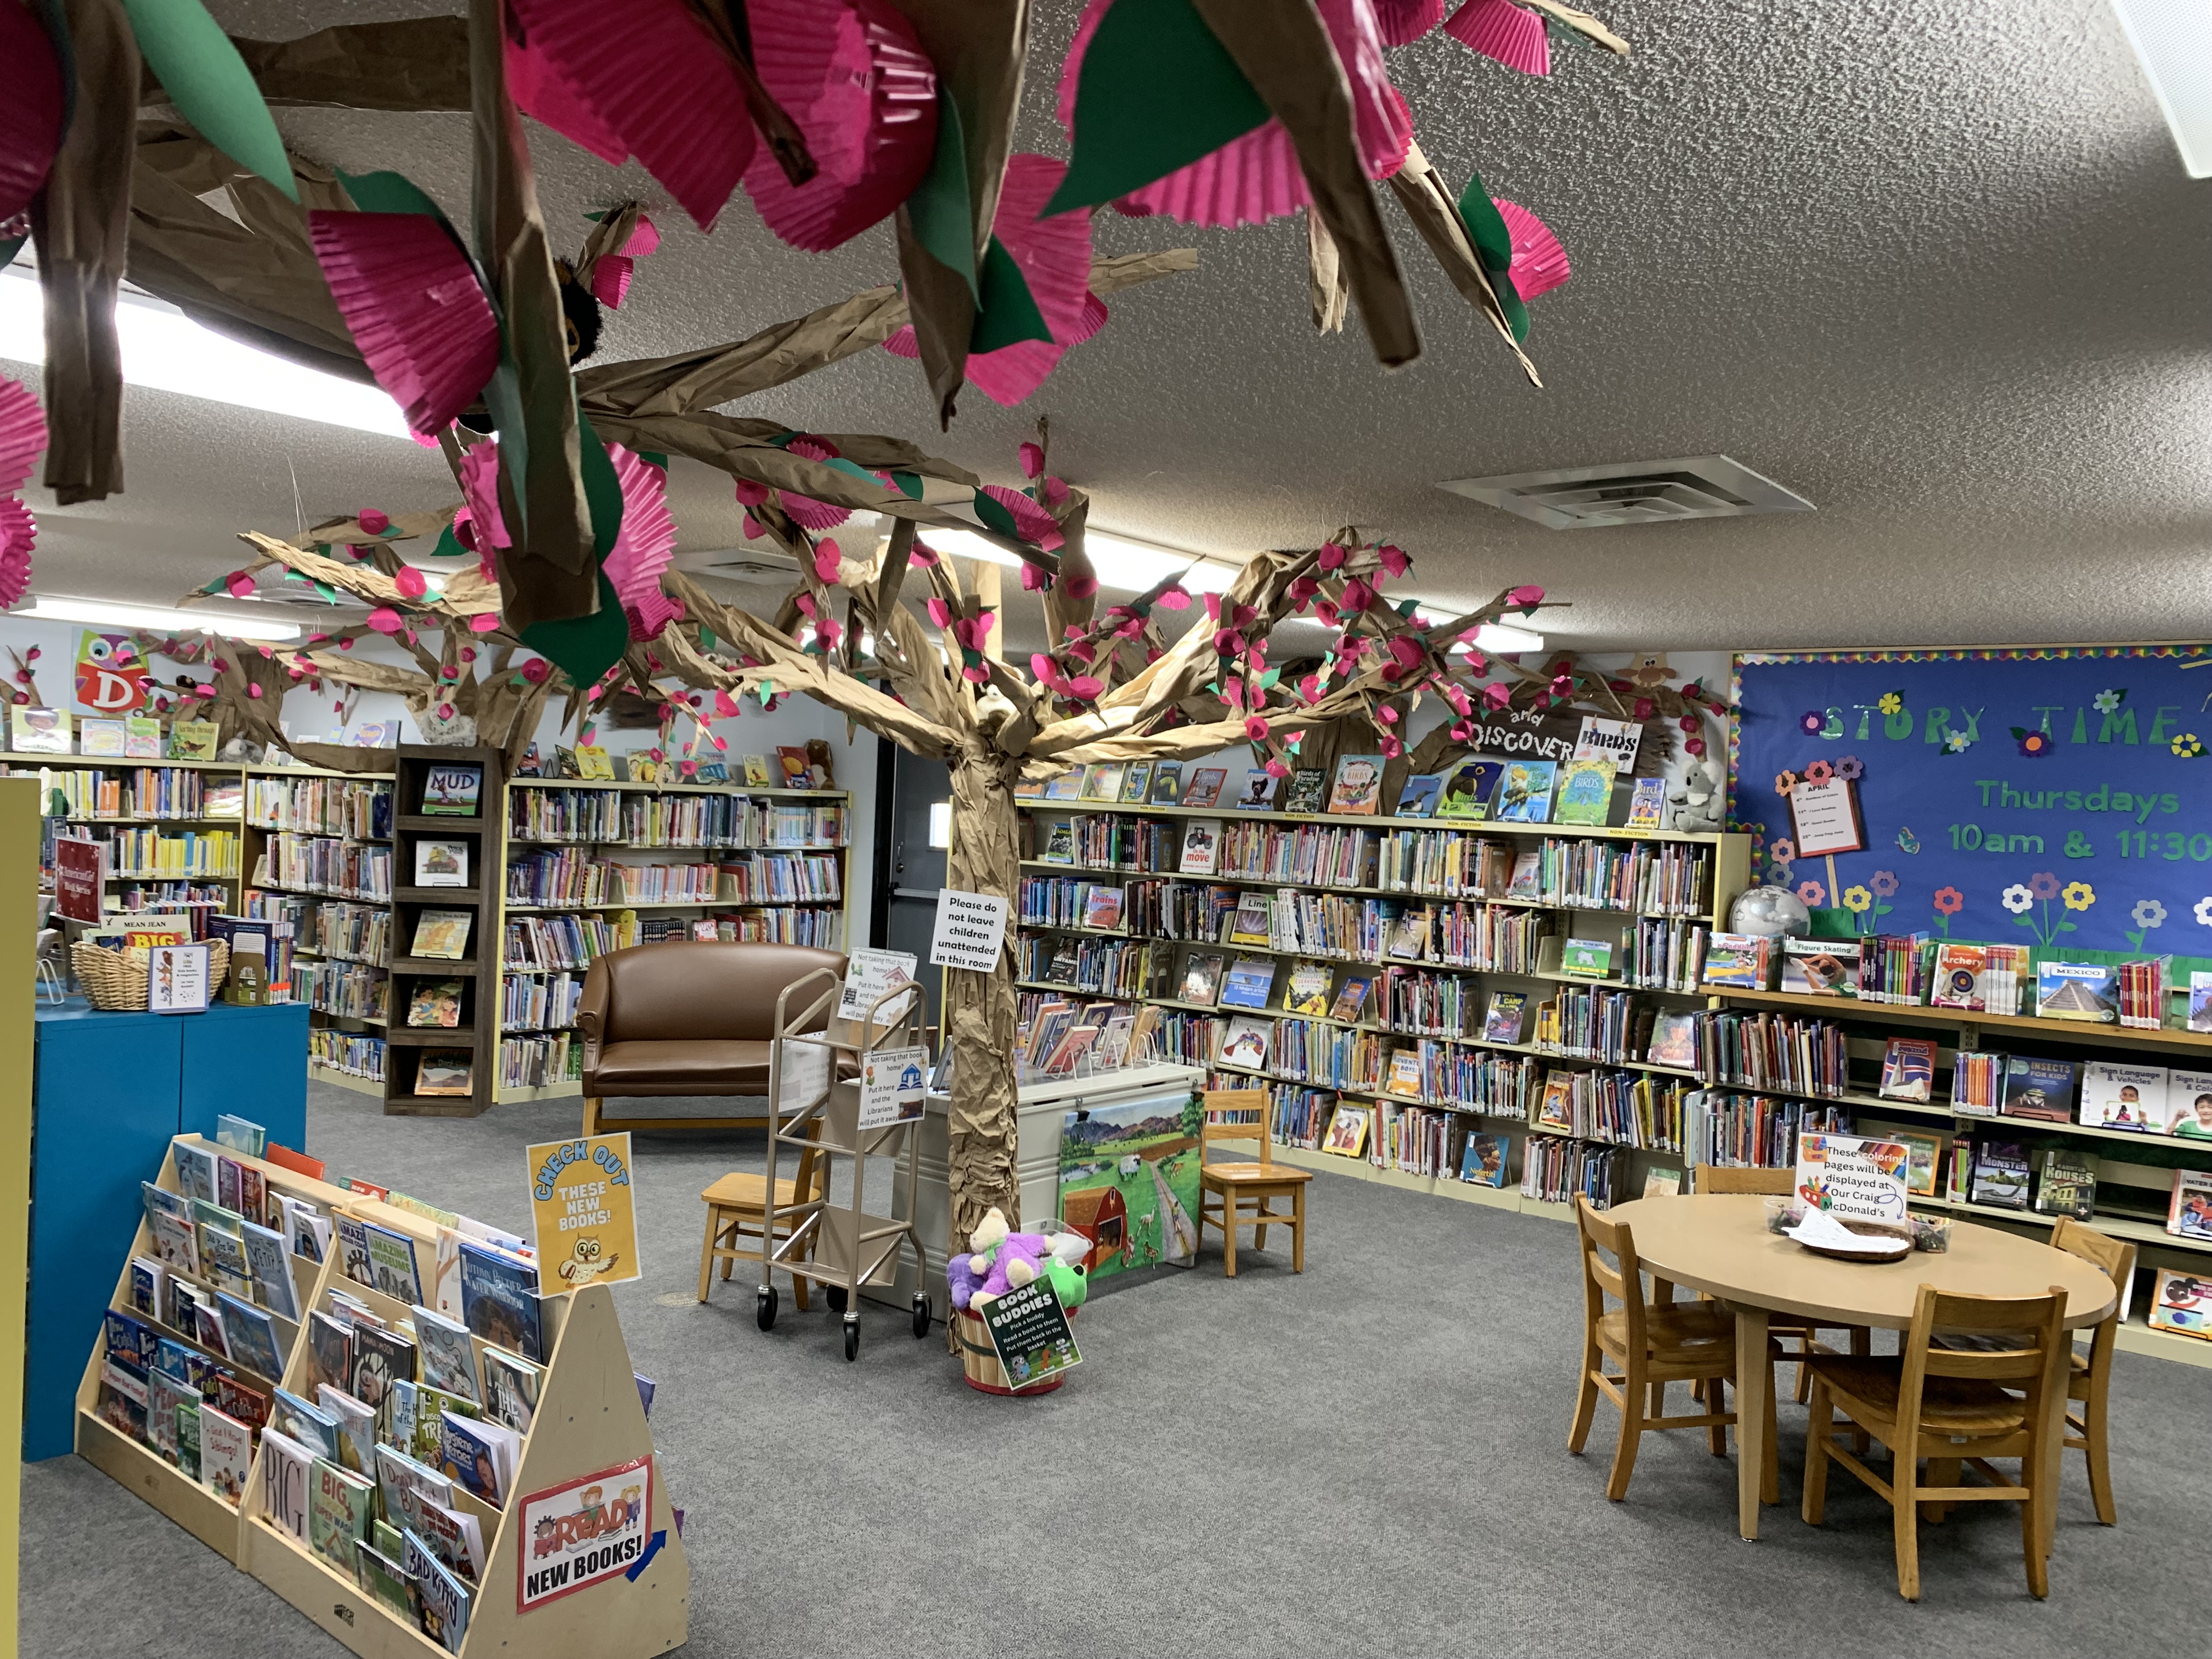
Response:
column 475, row 897
column 589, row 1417
column 1350, row 881
column 168, row 843
column 767, row 863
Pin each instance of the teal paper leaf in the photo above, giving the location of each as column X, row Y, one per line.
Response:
column 940, row 209
column 210, row 84
column 584, row 647
column 602, row 489
column 1494, row 246
column 995, row 516
column 1157, row 92
column 1007, row 312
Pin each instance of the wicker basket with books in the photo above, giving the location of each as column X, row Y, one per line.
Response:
column 115, row 982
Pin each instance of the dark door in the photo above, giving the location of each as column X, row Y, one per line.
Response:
column 909, row 871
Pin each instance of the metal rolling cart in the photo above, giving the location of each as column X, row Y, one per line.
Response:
column 840, row 1248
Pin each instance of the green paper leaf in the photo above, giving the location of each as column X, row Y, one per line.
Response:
column 602, row 489
column 1494, row 246
column 839, row 464
column 655, row 457
column 1157, row 91
column 449, row 546
column 942, row 214
column 995, row 516
column 1007, row 312
column 910, row 484
column 584, row 647
column 209, row 83
column 10, row 248
column 388, row 192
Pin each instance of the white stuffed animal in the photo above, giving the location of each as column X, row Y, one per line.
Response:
column 1696, row 800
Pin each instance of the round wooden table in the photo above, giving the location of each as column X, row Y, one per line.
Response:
column 1717, row 1242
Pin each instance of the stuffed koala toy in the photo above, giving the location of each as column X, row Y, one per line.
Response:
column 1696, row 800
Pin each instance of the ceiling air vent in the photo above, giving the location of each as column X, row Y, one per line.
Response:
column 1632, row 492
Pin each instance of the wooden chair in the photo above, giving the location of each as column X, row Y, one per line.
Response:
column 1799, row 1333
column 737, row 1205
column 2089, row 1377
column 1242, row 1115
column 1954, row 1407
column 1653, row 1343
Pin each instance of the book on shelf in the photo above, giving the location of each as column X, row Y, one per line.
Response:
column 1167, row 783
column 1205, row 786
column 2117, row 1097
column 1923, row 1154
column 1245, row 1041
column 1503, row 1021
column 1404, row 1077
column 1101, row 779
column 2181, row 1302
column 1059, row 844
column 1483, row 1160
column 100, row 737
column 1073, row 1045
column 1137, row 783
column 1586, row 958
column 1409, row 934
column 2001, row 1174
column 445, row 1072
column 1356, row 791
column 1956, row 981
column 1418, row 798
column 1308, row 791
column 142, row 738
column 1253, row 921
column 1347, row 1131
column 2189, row 1210
column 2003, row 969
column 226, row 1454
column 1821, row 967
column 1908, row 1069
column 1555, row 1107
column 511, row 1385
column 2141, row 992
column 442, row 935
column 1305, row 990
column 1468, row 789
column 2200, row 1002
column 444, row 1600
column 2039, row 1089
column 1585, row 793
column 453, row 790
column 1202, row 979
column 1102, row 908
column 1660, row 1181
column 1249, row 981
column 498, row 1300
column 1524, row 794
column 2189, row 1105
column 1647, row 803
column 436, row 1002
column 1258, row 792
column 1738, row 961
column 2084, row 991
column 441, row 863
column 1674, row 1041
column 193, row 740
column 1201, row 847
column 1527, row 879
column 35, row 730
column 2068, row 1185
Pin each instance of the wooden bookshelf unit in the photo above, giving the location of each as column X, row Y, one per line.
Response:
column 476, row 972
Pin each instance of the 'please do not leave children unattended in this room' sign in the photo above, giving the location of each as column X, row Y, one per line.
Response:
column 970, row 928
column 584, row 1212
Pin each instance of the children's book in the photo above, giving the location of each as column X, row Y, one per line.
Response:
column 1201, row 847
column 2078, row 991
column 33, row 730
column 2117, row 1097
column 1555, row 1107
column 448, row 1358
column 1673, row 1042
column 2069, row 1185
column 188, row 1438
column 1821, row 967
column 452, row 790
column 1923, row 1154
column 100, row 737
column 391, row 1265
column 1245, row 1039
column 442, row 935
column 436, row 1002
column 286, row 1481
column 1468, row 789
column 1167, row 783
column 1404, row 1076
column 1409, row 935
column 1908, row 1069
column 1306, row 990
column 498, row 1300
column 311, row 1425
column 381, row 1361
column 1585, row 793
column 226, row 1455
column 2000, row 1174
column 2039, row 1088
column 1249, row 981
column 122, row 1399
column 428, row 1436
column 2182, row 1302
column 510, row 1389
column 1525, row 794
column 455, row 1534
column 1662, row 1183
column 131, row 1342
column 1647, row 803
column 1201, row 979
column 308, row 1229
column 1102, row 908
column 1254, row 922
column 1507, row 1015
column 1204, row 789
column 2189, row 1105
column 270, row 1263
column 1258, row 793
column 1418, row 799
column 1137, row 783
column 2189, row 1212
column 1586, row 958
column 445, row 1072
column 1352, row 999
column 329, row 1350
column 148, row 1280
column 1357, row 789
column 1737, row 961
column 2200, row 1002
column 241, row 1135
column 196, row 1176
column 223, row 1254
column 444, row 1600
column 402, row 1484
column 357, row 1422
column 385, row 1580
column 480, row 1456
column 1103, row 780
column 1308, row 791
column 1059, row 844
column 193, row 740
column 1484, row 1161
column 1347, row 1131
column 1956, row 981
column 252, row 1337
column 234, row 1399
column 338, row 1509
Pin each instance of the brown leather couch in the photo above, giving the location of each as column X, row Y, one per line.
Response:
column 689, row 1017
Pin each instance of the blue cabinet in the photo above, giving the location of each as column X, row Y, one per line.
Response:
column 109, row 1093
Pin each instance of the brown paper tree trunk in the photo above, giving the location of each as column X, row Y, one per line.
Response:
column 979, row 1008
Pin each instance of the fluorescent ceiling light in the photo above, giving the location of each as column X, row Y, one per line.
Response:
column 1125, row 566
column 2174, row 39
column 102, row 613
column 165, row 350
column 1502, row 640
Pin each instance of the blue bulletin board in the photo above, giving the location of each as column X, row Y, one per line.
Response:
column 2054, row 797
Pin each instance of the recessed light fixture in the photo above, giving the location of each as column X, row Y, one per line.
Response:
column 1125, row 565
column 2173, row 41
column 165, row 350
column 106, row 614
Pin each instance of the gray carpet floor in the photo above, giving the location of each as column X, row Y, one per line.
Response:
column 1368, row 1458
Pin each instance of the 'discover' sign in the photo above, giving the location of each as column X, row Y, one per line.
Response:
column 583, row 1533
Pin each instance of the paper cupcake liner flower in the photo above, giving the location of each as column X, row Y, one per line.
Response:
column 478, row 524
column 1540, row 263
column 655, row 83
column 853, row 75
column 1501, row 30
column 22, row 435
column 644, row 545
column 19, row 535
column 413, row 304
column 1404, row 21
column 30, row 104
column 612, row 273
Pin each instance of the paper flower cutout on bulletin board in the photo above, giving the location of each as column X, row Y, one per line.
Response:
column 2034, row 743
column 1856, row 898
column 2186, row 746
column 1812, row 893
column 1950, row 901
column 1956, row 743
column 2203, row 912
column 2043, row 886
column 1819, row 772
column 1811, row 721
column 2148, row 913
column 2108, row 701
column 1785, row 783
column 1851, row 768
column 1891, row 703
column 2016, row 899
column 2079, row 896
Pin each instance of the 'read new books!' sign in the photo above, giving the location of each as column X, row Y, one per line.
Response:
column 585, row 1532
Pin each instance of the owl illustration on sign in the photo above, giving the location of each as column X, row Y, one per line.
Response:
column 111, row 677
column 587, row 1265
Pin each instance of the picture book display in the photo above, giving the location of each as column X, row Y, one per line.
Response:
column 446, row 1072
column 1352, row 999
column 442, row 935
column 1201, row 979
column 1258, row 795
column 1647, row 803
column 1356, row 789
column 2189, row 1105
column 441, row 863
column 2077, row 991
column 1524, row 794
column 1908, row 1069
column 1586, row 958
column 1418, row 799
column 2000, row 1174
column 1584, row 793
column 1201, row 847
column 452, row 790
column 1507, row 1013
column 1249, row 981
column 1244, row 1042
column 1308, row 791
column 2067, row 1185
column 436, row 1002
column 1821, row 967
column 1347, row 1131
column 1167, row 783
column 2037, row 1088
column 1483, row 1160
column 1468, row 788
column 2181, row 1302
column 2120, row 1096
column 1306, row 989
column 1203, row 787
column 2189, row 1212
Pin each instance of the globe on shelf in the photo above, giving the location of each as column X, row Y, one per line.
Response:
column 1771, row 913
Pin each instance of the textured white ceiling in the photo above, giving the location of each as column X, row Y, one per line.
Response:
column 1938, row 269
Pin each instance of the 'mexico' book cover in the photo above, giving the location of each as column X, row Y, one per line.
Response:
column 2085, row 991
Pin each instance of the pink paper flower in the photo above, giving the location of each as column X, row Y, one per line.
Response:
column 828, row 557
column 1276, row 769
column 1173, row 599
column 410, row 582
column 372, row 521
column 1032, row 460
column 239, row 584
column 1393, row 559
column 1329, row 557
column 385, row 620
column 1085, row 688
column 1522, row 598
column 1255, row 727
column 751, row 494
column 484, row 621
column 939, row 613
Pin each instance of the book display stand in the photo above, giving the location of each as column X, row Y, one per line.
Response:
column 817, row 1107
column 589, row 1417
column 422, row 1072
